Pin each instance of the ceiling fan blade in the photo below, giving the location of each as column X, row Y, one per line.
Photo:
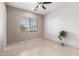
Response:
column 36, row 7
column 44, row 7
column 47, row 2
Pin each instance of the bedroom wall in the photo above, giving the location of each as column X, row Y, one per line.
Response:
column 64, row 17
column 13, row 23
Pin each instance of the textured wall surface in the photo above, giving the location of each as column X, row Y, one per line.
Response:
column 13, row 23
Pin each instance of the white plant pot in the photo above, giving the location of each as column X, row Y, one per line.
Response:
column 62, row 42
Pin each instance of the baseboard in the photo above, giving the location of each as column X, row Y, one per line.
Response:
column 59, row 42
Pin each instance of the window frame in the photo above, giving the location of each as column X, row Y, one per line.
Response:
column 29, row 24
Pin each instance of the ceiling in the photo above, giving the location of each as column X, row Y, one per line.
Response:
column 30, row 5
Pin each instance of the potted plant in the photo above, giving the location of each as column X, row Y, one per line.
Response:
column 62, row 35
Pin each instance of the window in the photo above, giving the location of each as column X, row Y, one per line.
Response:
column 28, row 24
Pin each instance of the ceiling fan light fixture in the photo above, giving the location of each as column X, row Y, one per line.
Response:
column 32, row 8
column 41, row 4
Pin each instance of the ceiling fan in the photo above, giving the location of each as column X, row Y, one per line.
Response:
column 42, row 5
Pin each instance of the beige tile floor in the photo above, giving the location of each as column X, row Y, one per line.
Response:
column 39, row 47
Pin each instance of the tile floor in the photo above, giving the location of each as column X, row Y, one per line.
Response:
column 39, row 47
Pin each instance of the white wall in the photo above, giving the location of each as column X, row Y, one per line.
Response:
column 2, row 25
column 64, row 17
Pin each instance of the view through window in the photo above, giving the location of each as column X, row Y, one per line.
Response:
column 28, row 24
